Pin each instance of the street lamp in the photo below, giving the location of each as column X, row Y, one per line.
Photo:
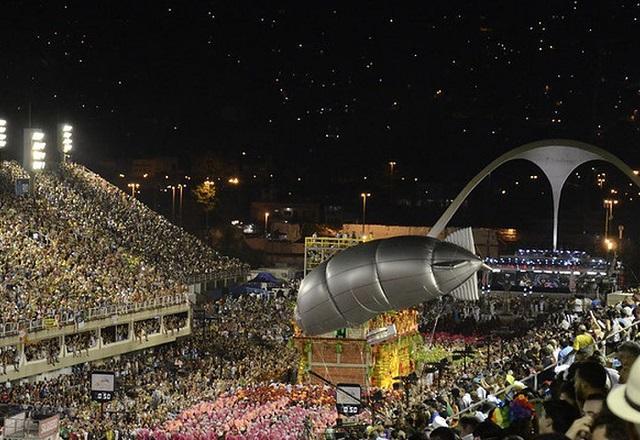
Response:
column 180, row 187
column 610, row 244
column 234, row 180
column 608, row 207
column 392, row 165
column 266, row 223
column 173, row 201
column 364, row 209
column 134, row 188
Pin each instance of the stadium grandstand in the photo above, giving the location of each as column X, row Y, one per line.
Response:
column 75, row 249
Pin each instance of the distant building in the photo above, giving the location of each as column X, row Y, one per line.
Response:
column 285, row 212
column 155, row 167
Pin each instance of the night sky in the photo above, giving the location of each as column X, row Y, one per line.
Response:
column 323, row 89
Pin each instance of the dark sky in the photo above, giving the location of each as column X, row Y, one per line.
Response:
column 437, row 86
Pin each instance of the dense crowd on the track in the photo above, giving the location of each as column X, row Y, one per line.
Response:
column 75, row 242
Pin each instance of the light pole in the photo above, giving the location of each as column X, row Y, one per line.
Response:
column 608, row 210
column 134, row 187
column 364, row 210
column 392, row 165
column 173, row 201
column 208, row 184
column 180, row 187
column 266, row 223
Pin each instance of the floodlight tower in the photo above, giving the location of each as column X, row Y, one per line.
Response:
column 34, row 153
column 65, row 140
column 3, row 133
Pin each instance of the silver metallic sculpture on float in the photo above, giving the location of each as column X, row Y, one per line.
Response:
column 382, row 275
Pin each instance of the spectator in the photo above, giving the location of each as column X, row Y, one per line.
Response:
column 557, row 417
column 590, row 379
column 592, row 406
column 467, row 425
column 624, row 402
column 583, row 339
column 627, row 353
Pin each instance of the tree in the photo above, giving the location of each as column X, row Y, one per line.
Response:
column 205, row 195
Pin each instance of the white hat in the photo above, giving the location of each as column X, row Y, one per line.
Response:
column 480, row 416
column 439, row 422
column 624, row 400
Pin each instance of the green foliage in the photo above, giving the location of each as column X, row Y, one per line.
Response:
column 434, row 354
column 205, row 195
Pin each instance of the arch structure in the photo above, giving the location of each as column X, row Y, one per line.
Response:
column 557, row 158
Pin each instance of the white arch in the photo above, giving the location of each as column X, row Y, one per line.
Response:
column 557, row 158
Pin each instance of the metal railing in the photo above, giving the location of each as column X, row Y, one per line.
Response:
column 77, row 316
column 94, row 313
column 207, row 277
column 534, row 376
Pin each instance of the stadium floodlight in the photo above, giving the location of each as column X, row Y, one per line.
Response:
column 34, row 151
column 3, row 133
column 65, row 140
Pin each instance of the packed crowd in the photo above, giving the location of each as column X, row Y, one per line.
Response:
column 228, row 379
column 562, row 369
column 241, row 347
column 76, row 242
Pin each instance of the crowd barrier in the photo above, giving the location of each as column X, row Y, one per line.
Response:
column 533, row 378
column 78, row 317
column 208, row 277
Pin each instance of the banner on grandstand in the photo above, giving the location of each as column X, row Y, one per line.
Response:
column 49, row 427
column 103, row 386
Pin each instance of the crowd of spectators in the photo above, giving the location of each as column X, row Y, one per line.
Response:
column 75, row 242
column 534, row 366
column 80, row 343
column 229, row 378
column 48, row 349
column 142, row 329
column 173, row 323
column 240, row 345
column 115, row 333
column 514, row 384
